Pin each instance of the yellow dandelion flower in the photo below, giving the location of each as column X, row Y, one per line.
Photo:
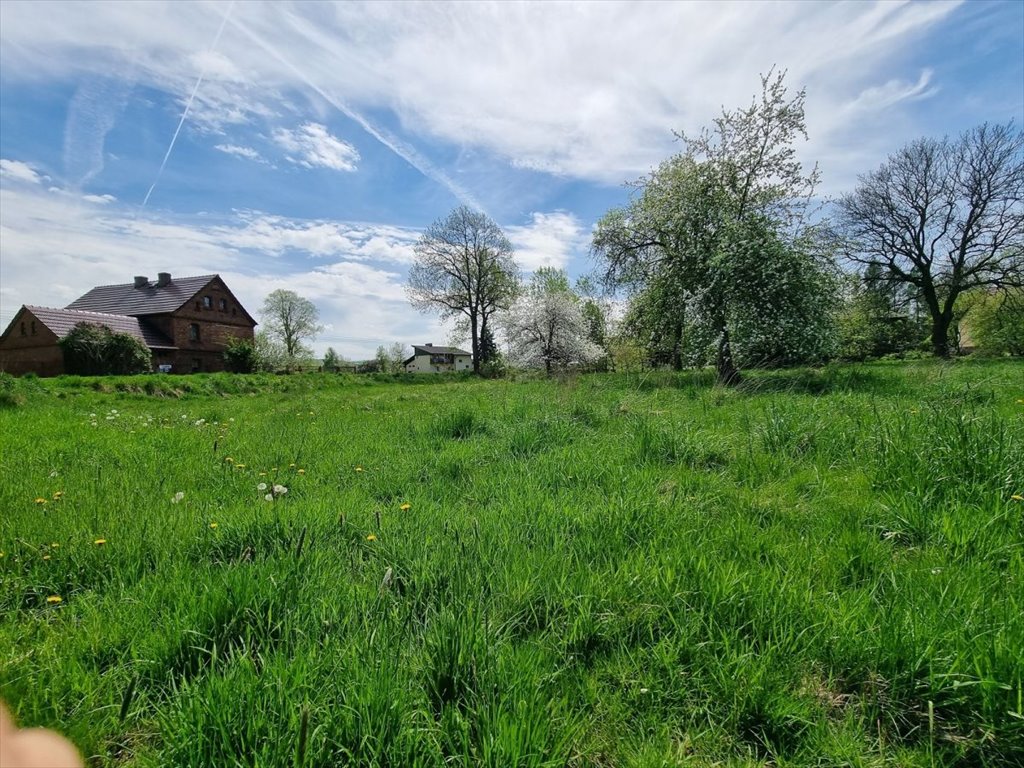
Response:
column 291, row 466
column 359, row 469
column 54, row 599
column 240, row 466
column 263, row 474
column 371, row 537
column 57, row 495
column 2, row 554
column 1017, row 497
column 229, row 460
column 100, row 542
column 213, row 525
column 46, row 557
column 406, row 507
column 54, row 545
column 1021, row 401
column 40, row 500
column 302, row 471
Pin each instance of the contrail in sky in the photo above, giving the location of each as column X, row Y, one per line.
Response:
column 188, row 105
column 400, row 148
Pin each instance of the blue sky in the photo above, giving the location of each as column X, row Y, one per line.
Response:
column 321, row 139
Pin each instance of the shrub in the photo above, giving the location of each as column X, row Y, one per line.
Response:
column 95, row 350
column 240, row 356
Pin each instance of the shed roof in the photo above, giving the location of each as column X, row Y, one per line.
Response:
column 150, row 299
column 430, row 349
column 61, row 321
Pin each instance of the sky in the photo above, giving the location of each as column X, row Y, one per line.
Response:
column 307, row 145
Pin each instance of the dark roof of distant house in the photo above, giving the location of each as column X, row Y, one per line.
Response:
column 430, row 349
column 150, row 299
column 61, row 321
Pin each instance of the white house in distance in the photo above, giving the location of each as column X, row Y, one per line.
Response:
column 427, row 358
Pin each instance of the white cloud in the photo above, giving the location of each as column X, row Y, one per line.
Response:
column 19, row 171
column 277, row 235
column 549, row 240
column 587, row 91
column 99, row 199
column 247, row 152
column 316, row 147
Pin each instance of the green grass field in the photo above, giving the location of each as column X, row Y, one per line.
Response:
column 820, row 568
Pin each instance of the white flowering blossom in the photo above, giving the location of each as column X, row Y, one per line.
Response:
column 261, row 487
column 177, row 497
column 269, row 497
column 280, row 490
column 546, row 328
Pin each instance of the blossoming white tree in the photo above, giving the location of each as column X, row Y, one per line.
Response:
column 546, row 325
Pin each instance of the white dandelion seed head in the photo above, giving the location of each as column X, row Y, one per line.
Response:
column 269, row 497
column 280, row 490
column 261, row 487
column 177, row 497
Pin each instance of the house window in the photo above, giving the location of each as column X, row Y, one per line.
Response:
column 207, row 302
column 193, row 332
column 23, row 329
column 33, row 327
column 223, row 305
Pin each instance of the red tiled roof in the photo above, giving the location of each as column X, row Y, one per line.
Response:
column 61, row 321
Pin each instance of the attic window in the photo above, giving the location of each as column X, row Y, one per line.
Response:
column 207, row 302
column 33, row 327
column 193, row 332
column 23, row 329
column 223, row 305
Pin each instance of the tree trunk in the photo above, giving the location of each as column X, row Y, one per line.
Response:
column 677, row 344
column 475, row 340
column 940, row 334
column 728, row 374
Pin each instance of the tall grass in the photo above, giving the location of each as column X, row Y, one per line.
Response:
column 821, row 568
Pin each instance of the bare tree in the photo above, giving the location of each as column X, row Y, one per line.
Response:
column 464, row 266
column 943, row 217
column 290, row 318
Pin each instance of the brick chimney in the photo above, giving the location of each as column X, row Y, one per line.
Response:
column 141, row 281
column 162, row 279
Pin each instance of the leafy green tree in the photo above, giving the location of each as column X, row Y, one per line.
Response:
column 95, row 350
column 994, row 321
column 943, row 217
column 488, row 348
column 718, row 235
column 332, row 360
column 464, row 267
column 291, row 320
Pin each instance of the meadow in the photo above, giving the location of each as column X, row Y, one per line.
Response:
column 819, row 568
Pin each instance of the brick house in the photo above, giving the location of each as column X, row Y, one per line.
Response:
column 186, row 322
